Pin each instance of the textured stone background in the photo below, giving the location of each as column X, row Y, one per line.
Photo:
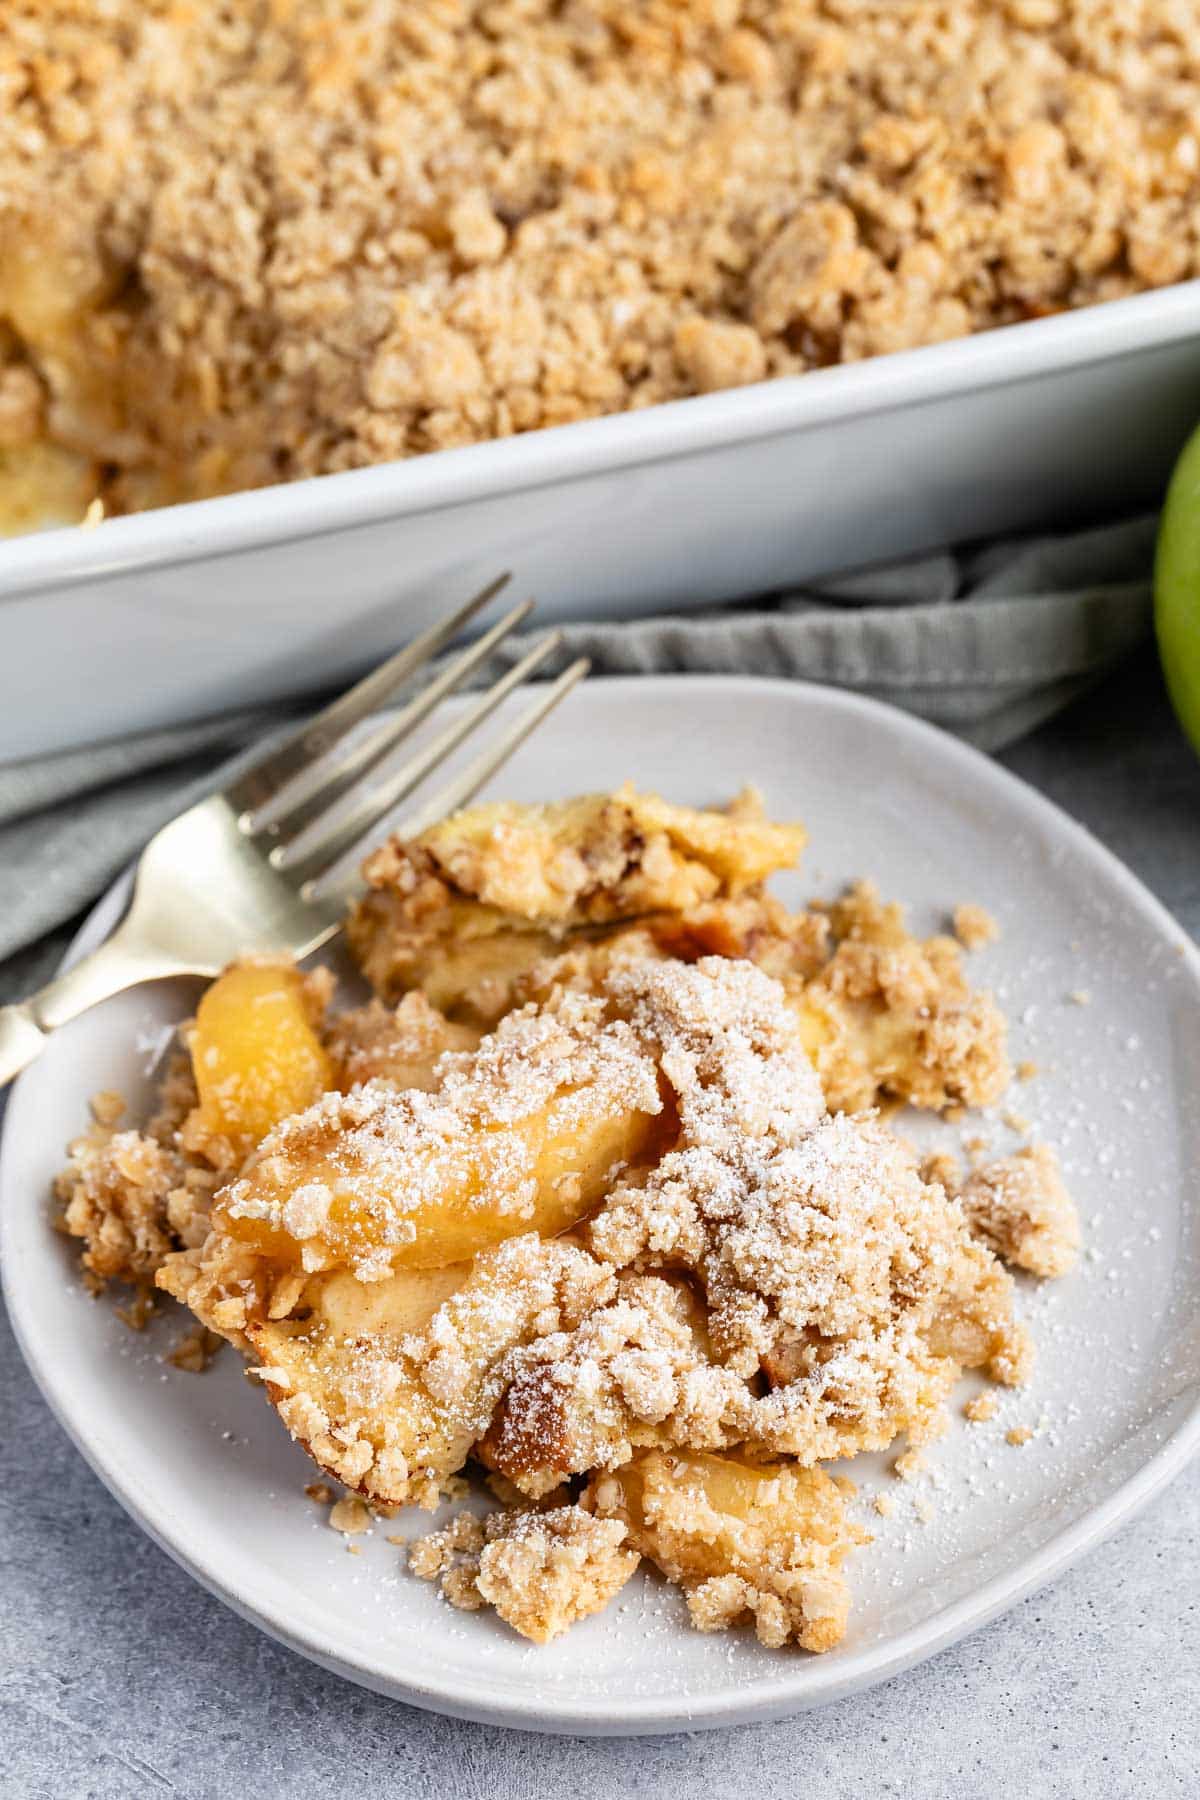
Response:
column 120, row 1677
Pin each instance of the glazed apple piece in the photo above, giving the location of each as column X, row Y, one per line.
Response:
column 256, row 1055
column 471, row 907
column 527, row 1132
column 764, row 1540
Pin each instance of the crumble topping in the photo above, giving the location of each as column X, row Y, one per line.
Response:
column 135, row 1196
column 820, row 1256
column 399, row 1045
column 1020, row 1206
column 261, row 241
column 897, row 1014
column 540, row 1571
column 195, row 1350
column 586, row 862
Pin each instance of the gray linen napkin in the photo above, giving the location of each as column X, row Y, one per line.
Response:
column 986, row 642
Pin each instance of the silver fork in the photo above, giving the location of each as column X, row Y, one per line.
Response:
column 270, row 863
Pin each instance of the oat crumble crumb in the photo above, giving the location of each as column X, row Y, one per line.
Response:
column 349, row 1515
column 974, row 927
column 541, row 1571
column 1020, row 1205
column 137, row 1311
column 196, row 1350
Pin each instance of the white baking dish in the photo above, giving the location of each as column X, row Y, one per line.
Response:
column 196, row 609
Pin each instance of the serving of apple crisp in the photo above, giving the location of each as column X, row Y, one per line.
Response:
column 276, row 238
column 595, row 1195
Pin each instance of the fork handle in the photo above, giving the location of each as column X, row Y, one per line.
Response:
column 21, row 1039
column 25, row 1028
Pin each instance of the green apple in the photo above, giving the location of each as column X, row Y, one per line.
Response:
column 1177, row 589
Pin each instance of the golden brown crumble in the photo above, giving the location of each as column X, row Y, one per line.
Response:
column 475, row 915
column 132, row 1196
column 821, row 1257
column 974, row 927
column 622, row 1249
column 349, row 1515
column 275, row 238
column 195, row 1350
column 541, row 1571
column 896, row 1014
column 1020, row 1206
column 980, row 1408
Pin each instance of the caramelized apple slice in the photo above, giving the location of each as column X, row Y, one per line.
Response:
column 255, row 1055
column 742, row 1538
column 402, row 1304
column 476, row 902
column 527, row 1132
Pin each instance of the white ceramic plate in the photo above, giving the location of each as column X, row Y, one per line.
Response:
column 207, row 1470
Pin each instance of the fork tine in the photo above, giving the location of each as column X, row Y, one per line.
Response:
column 260, row 783
column 338, row 881
column 335, row 830
column 311, row 793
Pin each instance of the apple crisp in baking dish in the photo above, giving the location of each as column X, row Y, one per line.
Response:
column 245, row 243
column 595, row 1195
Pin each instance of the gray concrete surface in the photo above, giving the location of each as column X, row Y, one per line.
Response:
column 120, row 1677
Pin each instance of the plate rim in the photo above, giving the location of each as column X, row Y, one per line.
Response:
column 815, row 1681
